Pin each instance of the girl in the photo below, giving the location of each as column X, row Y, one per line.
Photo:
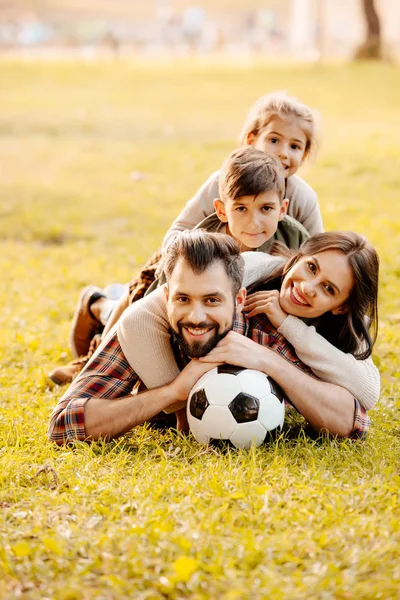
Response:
column 277, row 124
column 280, row 125
column 323, row 301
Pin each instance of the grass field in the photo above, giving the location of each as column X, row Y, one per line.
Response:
column 154, row 515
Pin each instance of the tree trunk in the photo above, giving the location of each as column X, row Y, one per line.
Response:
column 371, row 48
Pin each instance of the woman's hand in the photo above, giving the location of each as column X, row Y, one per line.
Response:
column 266, row 303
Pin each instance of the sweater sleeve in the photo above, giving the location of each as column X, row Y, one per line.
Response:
column 303, row 204
column 144, row 334
column 196, row 209
column 360, row 377
column 259, row 267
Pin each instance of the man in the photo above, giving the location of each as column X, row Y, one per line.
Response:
column 204, row 294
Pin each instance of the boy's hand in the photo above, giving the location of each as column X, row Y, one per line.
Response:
column 266, row 303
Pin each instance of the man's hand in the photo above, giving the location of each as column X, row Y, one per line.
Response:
column 236, row 349
column 188, row 376
column 266, row 303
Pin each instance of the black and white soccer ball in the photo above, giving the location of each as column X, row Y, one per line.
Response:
column 235, row 404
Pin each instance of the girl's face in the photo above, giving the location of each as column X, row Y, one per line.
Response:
column 284, row 138
column 317, row 284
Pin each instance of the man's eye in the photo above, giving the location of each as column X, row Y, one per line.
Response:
column 182, row 299
column 212, row 300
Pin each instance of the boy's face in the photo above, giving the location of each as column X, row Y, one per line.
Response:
column 251, row 220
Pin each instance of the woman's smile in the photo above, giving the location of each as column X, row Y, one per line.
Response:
column 297, row 297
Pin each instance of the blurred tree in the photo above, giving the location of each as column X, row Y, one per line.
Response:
column 371, row 48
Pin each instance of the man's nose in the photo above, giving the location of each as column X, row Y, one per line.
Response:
column 197, row 313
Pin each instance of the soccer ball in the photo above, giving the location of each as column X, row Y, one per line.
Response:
column 235, row 404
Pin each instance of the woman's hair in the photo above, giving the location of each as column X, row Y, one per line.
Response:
column 281, row 105
column 354, row 331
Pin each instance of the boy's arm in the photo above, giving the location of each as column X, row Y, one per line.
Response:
column 196, row 209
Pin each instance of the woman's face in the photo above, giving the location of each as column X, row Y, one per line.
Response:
column 317, row 284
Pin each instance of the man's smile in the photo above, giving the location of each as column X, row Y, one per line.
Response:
column 197, row 332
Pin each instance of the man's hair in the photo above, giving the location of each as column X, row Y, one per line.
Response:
column 250, row 172
column 200, row 248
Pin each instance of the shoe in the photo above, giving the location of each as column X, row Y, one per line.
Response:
column 84, row 325
column 66, row 374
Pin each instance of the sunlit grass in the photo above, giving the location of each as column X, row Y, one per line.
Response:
column 154, row 515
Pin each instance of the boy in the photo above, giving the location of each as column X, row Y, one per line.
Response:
column 251, row 208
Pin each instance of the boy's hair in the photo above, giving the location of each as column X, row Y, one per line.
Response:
column 281, row 105
column 249, row 172
column 200, row 248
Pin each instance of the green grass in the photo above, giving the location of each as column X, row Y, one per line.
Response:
column 153, row 515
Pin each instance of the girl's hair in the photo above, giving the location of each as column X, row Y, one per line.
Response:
column 281, row 105
column 354, row 331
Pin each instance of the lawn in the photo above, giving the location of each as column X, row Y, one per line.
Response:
column 96, row 160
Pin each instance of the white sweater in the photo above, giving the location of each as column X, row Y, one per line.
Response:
column 303, row 206
column 144, row 335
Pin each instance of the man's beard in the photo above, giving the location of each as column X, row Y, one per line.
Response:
column 197, row 349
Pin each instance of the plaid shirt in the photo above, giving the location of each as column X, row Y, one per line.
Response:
column 108, row 374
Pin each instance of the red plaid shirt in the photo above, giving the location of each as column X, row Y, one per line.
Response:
column 108, row 374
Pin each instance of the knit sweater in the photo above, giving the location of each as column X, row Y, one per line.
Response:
column 144, row 335
column 303, row 206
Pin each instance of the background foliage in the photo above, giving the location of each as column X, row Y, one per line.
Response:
column 96, row 160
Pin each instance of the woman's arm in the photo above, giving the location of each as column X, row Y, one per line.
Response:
column 195, row 210
column 146, row 323
column 360, row 377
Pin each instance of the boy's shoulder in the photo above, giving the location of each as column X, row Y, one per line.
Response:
column 297, row 188
column 212, row 223
column 291, row 232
